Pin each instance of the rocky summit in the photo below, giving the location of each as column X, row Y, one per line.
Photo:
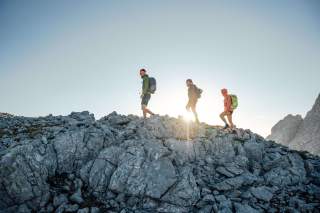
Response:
column 126, row 164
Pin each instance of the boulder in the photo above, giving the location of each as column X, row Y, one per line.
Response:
column 185, row 192
column 262, row 193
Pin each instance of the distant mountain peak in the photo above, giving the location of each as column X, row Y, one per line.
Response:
column 298, row 133
column 316, row 106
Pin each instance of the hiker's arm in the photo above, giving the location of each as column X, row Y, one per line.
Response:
column 145, row 85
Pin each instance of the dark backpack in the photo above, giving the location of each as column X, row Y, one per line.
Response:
column 152, row 85
column 199, row 92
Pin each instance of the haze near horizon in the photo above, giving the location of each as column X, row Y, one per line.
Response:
column 63, row 56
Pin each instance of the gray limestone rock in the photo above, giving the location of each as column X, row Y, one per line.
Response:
column 185, row 192
column 263, row 193
column 126, row 164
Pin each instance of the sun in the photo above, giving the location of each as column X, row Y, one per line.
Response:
column 188, row 116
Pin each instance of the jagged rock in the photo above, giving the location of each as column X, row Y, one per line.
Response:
column 72, row 208
column 168, row 208
column 59, row 200
column 294, row 173
column 160, row 176
column 149, row 204
column 298, row 133
column 263, row 193
column 128, row 164
column 224, row 171
column 84, row 210
column 254, row 150
column 206, row 209
column 101, row 169
column 137, row 177
column 230, row 183
column 94, row 210
column 24, row 209
column 208, row 199
column 286, row 129
column 185, row 192
column 224, row 204
column 244, row 208
column 77, row 197
column 49, row 208
column 129, row 161
column 61, row 208
column 308, row 134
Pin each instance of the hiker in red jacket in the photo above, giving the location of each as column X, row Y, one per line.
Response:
column 227, row 109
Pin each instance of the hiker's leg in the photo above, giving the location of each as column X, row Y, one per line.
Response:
column 229, row 116
column 144, row 111
column 148, row 111
column 223, row 118
column 193, row 108
column 144, row 103
column 148, row 96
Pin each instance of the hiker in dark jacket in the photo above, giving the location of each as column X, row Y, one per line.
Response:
column 194, row 95
column 145, row 95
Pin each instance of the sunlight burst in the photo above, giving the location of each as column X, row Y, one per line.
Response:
column 188, row 116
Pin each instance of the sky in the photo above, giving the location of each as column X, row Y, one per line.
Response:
column 62, row 56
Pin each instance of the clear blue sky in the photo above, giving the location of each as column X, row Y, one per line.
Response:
column 63, row 56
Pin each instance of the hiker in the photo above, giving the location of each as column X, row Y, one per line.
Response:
column 194, row 93
column 230, row 103
column 146, row 92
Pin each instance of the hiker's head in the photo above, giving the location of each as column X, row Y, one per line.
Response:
column 224, row 92
column 189, row 82
column 142, row 72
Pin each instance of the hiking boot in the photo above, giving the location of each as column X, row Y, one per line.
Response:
column 154, row 115
column 226, row 126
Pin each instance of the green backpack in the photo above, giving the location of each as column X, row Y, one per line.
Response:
column 234, row 101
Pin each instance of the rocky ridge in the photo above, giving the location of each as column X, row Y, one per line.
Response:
column 124, row 164
column 298, row 133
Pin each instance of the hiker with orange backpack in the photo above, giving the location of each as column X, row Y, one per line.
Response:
column 230, row 104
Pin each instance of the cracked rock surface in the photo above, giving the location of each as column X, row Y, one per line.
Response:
column 124, row 164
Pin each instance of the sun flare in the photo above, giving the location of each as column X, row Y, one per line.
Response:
column 188, row 116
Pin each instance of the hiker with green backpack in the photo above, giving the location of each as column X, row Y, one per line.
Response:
column 194, row 93
column 230, row 104
column 148, row 88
